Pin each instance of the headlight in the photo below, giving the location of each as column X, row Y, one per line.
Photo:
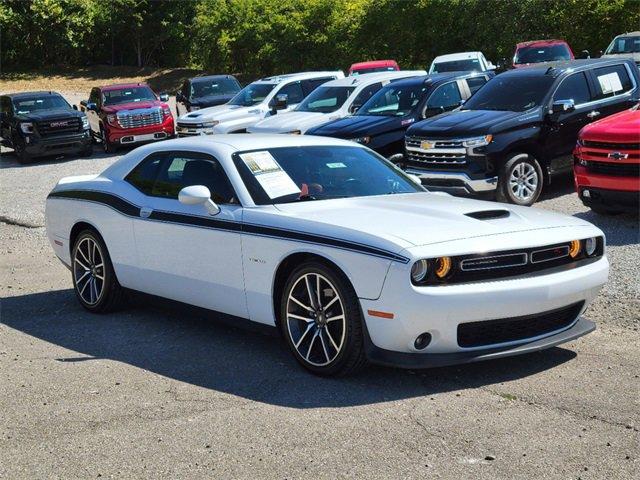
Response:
column 112, row 120
column 26, row 127
column 166, row 111
column 590, row 245
column 419, row 271
column 85, row 123
column 478, row 141
column 210, row 124
column 362, row 140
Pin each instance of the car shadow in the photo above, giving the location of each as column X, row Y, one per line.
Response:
column 9, row 160
column 196, row 349
column 621, row 229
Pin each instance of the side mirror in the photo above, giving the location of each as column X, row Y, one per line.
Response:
column 562, row 106
column 432, row 112
column 491, row 66
column 280, row 102
column 74, row 106
column 585, row 54
column 179, row 96
column 198, row 195
column 461, row 102
column 92, row 106
column 354, row 108
column 164, row 97
column 414, row 178
column 83, row 103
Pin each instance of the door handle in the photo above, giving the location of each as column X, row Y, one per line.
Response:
column 145, row 212
column 593, row 114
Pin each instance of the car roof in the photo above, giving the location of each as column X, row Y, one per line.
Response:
column 209, row 77
column 457, row 56
column 541, row 43
column 299, row 76
column 370, row 78
column 41, row 93
column 373, row 64
column 435, row 78
column 556, row 69
column 120, row 86
column 629, row 34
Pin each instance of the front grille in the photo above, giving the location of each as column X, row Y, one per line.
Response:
column 494, row 332
column 140, row 118
column 59, row 126
column 611, row 146
column 614, row 169
column 439, row 152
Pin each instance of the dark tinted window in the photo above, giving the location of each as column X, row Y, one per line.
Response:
column 475, row 83
column 95, row 96
column 252, row 94
column 445, row 96
column 325, row 99
column 309, row 86
column 394, row 100
column 472, row 64
column 547, row 53
column 25, row 105
column 218, row 86
column 293, row 91
column 165, row 174
column 128, row 95
column 575, row 88
column 611, row 81
column 515, row 93
column 629, row 44
column 5, row 105
column 366, row 93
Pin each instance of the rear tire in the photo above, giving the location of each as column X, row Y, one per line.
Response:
column 94, row 280
column 322, row 326
column 107, row 146
column 520, row 180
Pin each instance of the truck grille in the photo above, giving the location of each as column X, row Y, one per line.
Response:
column 140, row 118
column 59, row 126
column 614, row 169
column 439, row 152
column 493, row 332
column 611, row 146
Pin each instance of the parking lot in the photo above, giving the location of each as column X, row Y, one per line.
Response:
column 158, row 392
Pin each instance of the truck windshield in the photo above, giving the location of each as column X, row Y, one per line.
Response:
column 325, row 99
column 515, row 93
column 128, row 95
column 23, row 106
column 362, row 71
column 252, row 94
column 471, row 64
column 624, row 45
column 318, row 173
column 394, row 101
column 547, row 53
column 217, row 86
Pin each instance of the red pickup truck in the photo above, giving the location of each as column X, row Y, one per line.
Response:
column 128, row 114
column 607, row 163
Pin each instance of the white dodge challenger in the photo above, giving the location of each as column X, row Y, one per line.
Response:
column 346, row 255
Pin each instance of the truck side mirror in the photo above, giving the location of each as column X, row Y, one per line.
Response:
column 585, row 54
column 164, row 97
column 354, row 108
column 280, row 102
column 74, row 106
column 562, row 106
column 179, row 96
column 432, row 112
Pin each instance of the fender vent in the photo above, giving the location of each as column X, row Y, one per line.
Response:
column 489, row 214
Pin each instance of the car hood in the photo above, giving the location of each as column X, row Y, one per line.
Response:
column 417, row 219
column 132, row 106
column 53, row 114
column 211, row 100
column 288, row 122
column 619, row 128
column 221, row 113
column 463, row 123
column 361, row 125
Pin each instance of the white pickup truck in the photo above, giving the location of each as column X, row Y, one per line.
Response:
column 335, row 99
column 256, row 101
column 461, row 62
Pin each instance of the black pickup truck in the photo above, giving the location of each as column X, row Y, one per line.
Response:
column 520, row 129
column 37, row 124
column 203, row 92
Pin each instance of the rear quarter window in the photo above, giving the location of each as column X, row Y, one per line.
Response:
column 611, row 81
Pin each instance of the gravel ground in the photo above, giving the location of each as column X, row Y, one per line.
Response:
column 162, row 393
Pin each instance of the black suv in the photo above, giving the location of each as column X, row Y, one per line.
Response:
column 519, row 129
column 37, row 124
column 203, row 92
column 381, row 122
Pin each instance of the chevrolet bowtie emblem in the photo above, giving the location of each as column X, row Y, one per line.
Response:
column 618, row 156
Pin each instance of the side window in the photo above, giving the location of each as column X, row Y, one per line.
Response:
column 446, row 96
column 95, row 96
column 611, row 81
column 293, row 91
column 474, row 83
column 366, row 93
column 574, row 87
column 165, row 174
column 186, row 90
column 309, row 86
column 4, row 106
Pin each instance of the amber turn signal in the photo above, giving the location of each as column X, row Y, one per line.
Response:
column 574, row 248
column 443, row 266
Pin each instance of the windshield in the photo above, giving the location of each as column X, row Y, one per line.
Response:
column 252, row 94
column 471, row 64
column 218, row 86
column 394, row 101
column 320, row 173
column 128, row 95
column 624, row 45
column 515, row 93
column 548, row 53
column 24, row 106
column 325, row 99
column 362, row 71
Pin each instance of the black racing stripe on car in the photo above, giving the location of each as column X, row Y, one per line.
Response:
column 127, row 208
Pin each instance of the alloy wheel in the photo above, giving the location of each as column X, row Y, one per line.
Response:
column 88, row 271
column 523, row 181
column 316, row 321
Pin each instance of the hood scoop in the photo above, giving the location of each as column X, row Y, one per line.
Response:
column 489, row 214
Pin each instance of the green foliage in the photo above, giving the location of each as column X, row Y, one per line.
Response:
column 257, row 37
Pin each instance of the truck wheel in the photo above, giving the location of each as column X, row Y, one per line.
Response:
column 520, row 180
column 19, row 150
column 107, row 146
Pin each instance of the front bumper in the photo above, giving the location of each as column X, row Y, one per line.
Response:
column 36, row 146
column 454, row 182
column 128, row 136
column 381, row 356
column 613, row 199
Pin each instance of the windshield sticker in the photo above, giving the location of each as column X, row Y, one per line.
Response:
column 336, row 165
column 275, row 181
column 610, row 82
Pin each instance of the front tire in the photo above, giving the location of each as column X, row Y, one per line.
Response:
column 20, row 151
column 321, row 321
column 520, row 180
column 107, row 146
column 94, row 280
